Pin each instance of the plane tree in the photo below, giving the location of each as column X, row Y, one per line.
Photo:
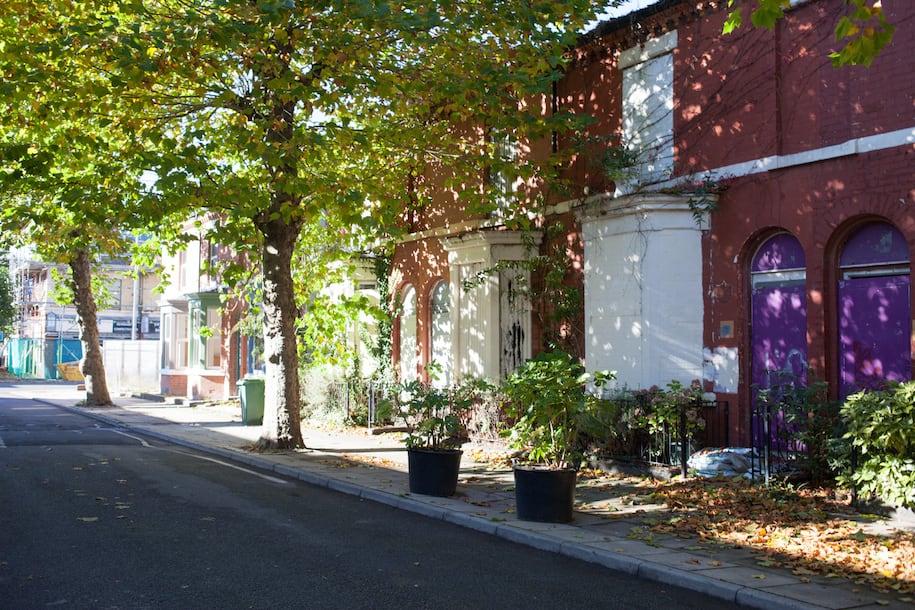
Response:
column 69, row 190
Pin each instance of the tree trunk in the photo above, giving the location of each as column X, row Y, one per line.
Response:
column 282, row 420
column 91, row 365
column 280, row 225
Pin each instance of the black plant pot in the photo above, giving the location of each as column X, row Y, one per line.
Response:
column 543, row 494
column 434, row 472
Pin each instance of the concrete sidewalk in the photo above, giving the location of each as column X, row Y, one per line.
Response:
column 374, row 467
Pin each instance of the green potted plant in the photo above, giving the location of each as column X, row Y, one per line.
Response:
column 436, row 417
column 553, row 410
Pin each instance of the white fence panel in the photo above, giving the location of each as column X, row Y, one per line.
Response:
column 132, row 366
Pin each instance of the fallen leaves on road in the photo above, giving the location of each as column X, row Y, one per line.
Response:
column 803, row 530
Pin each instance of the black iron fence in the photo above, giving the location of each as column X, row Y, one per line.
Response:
column 798, row 439
column 673, row 444
column 777, row 450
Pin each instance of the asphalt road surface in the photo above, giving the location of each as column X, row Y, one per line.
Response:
column 97, row 517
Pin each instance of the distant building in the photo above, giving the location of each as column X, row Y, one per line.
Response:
column 47, row 333
column 202, row 352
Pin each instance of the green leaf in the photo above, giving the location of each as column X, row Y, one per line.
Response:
column 768, row 13
column 733, row 21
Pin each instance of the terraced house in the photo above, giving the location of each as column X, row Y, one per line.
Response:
column 202, row 351
column 741, row 212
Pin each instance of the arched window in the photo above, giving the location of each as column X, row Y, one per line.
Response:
column 409, row 358
column 440, row 333
column 874, row 308
column 779, row 313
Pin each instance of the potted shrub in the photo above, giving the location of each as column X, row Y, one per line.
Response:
column 553, row 412
column 436, row 417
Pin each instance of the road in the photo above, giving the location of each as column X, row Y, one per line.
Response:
column 97, row 517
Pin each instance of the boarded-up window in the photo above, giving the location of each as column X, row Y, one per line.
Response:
column 648, row 103
column 874, row 325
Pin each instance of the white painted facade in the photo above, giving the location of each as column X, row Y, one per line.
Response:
column 643, row 288
column 490, row 321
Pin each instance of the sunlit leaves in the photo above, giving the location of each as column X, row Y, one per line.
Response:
column 734, row 20
column 766, row 13
column 382, row 71
column 70, row 158
column 863, row 33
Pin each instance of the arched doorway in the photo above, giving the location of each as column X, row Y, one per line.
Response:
column 779, row 313
column 778, row 276
column 874, row 310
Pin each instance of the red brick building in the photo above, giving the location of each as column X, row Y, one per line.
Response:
column 794, row 251
column 203, row 353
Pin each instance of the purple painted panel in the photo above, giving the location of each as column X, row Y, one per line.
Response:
column 875, row 244
column 779, row 353
column 779, row 335
column 874, row 332
column 779, row 253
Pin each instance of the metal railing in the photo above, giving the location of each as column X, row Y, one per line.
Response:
column 670, row 446
column 357, row 397
column 775, row 446
column 673, row 445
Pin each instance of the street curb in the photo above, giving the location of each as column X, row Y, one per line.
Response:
column 620, row 563
column 755, row 598
column 633, row 566
column 694, row 582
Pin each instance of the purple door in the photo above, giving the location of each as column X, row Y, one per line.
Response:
column 779, row 313
column 875, row 324
column 874, row 332
column 779, row 335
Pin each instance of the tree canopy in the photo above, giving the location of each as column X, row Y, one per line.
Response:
column 278, row 114
column 69, row 183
